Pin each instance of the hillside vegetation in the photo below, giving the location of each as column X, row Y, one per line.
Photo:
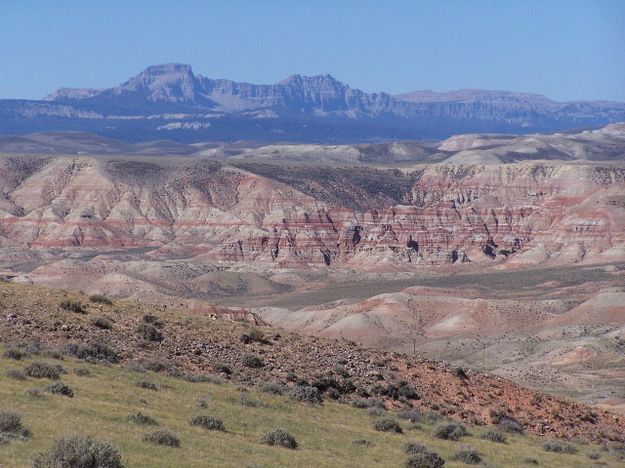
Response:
column 105, row 397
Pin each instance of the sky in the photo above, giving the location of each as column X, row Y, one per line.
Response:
column 564, row 49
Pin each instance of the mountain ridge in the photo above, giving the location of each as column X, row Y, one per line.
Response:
column 170, row 99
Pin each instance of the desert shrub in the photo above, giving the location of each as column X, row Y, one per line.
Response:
column 254, row 336
column 199, row 378
column 162, row 437
column 252, row 361
column 505, row 422
column 149, row 332
column 82, row 372
column 510, row 425
column 157, row 365
column 281, row 438
column 59, row 388
column 341, row 371
column 246, row 400
column 594, row 456
column 557, row 446
column 140, row 418
column 387, row 425
column 31, row 347
column 425, row 459
column 92, row 352
column 53, row 354
column 73, row 306
column 147, row 384
column 376, row 411
column 494, row 435
column 16, row 374
column 14, row 353
column 222, row 369
column 409, row 414
column 414, row 447
column 432, row 416
column 100, row 299
column 467, row 455
column 102, row 323
column 136, row 366
column 450, row 431
column 11, row 426
column 42, row 370
column 152, row 320
column 363, row 442
column 79, row 452
column 396, row 391
column 210, row 423
column 272, row 388
column 35, row 393
column 459, row 372
column 361, row 403
column 306, row 394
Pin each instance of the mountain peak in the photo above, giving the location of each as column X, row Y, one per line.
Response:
column 312, row 79
column 165, row 69
column 171, row 82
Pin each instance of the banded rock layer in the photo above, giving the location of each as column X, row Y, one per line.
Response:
column 290, row 216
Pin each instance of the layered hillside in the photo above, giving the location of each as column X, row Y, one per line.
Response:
column 299, row 216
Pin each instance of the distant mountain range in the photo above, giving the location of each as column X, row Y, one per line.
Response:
column 171, row 102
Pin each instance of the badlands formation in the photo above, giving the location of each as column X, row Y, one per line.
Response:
column 497, row 252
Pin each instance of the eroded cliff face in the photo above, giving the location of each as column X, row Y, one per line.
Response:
column 287, row 216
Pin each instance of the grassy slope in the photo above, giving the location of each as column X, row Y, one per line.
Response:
column 325, row 433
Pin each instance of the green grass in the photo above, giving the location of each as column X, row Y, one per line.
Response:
column 325, row 433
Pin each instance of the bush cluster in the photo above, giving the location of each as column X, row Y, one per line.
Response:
column 162, row 437
column 149, row 332
column 43, row 370
column 510, row 425
column 82, row 372
column 79, row 452
column 467, row 455
column 147, row 384
column 153, row 320
column 450, row 431
column 304, row 393
column 421, row 456
column 557, row 446
column 92, row 352
column 100, row 299
column 14, row 353
column 387, row 425
column 210, row 423
column 281, row 438
column 16, row 374
column 59, row 388
column 140, row 418
column 272, row 388
column 495, row 435
column 254, row 336
column 103, row 323
column 11, row 426
column 73, row 306
column 252, row 361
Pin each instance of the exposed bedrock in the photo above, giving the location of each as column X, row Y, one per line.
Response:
column 519, row 213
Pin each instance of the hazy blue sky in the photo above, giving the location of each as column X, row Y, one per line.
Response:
column 564, row 49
